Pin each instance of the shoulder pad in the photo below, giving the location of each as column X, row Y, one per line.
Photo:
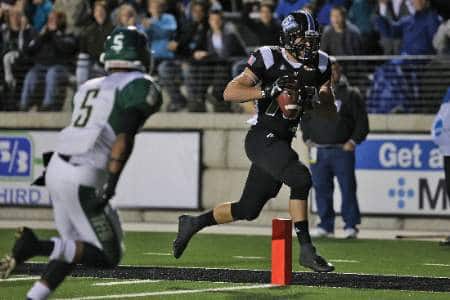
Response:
column 267, row 55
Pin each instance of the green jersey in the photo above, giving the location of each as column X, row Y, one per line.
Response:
column 101, row 107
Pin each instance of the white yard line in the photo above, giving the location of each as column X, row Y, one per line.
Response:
column 124, row 282
column 350, row 261
column 248, row 257
column 21, row 278
column 158, row 253
column 437, row 265
column 179, row 292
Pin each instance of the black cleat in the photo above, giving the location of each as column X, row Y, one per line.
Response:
column 24, row 248
column 310, row 259
column 445, row 242
column 187, row 227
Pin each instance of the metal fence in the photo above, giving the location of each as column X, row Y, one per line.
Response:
column 399, row 84
column 390, row 84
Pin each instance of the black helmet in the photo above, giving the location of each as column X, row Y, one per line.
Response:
column 300, row 24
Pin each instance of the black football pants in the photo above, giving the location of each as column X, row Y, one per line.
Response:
column 274, row 162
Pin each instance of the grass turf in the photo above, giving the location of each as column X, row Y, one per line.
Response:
column 84, row 287
column 205, row 250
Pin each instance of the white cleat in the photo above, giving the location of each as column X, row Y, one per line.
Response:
column 319, row 232
column 350, row 233
column 7, row 265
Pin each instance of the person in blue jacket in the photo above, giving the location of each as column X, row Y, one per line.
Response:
column 416, row 31
column 37, row 11
column 161, row 28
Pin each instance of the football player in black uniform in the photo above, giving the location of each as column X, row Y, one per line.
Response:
column 298, row 66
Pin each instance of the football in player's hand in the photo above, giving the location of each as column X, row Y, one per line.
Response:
column 288, row 103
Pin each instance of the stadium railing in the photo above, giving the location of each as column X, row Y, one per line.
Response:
column 399, row 84
column 390, row 84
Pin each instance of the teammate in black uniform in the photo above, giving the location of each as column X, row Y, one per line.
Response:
column 297, row 65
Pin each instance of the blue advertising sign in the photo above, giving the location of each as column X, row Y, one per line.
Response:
column 399, row 154
column 16, row 153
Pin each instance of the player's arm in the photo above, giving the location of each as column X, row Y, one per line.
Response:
column 120, row 152
column 139, row 100
column 243, row 88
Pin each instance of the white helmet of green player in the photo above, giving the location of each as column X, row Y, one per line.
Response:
column 126, row 48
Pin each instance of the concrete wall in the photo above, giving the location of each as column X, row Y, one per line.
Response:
column 225, row 162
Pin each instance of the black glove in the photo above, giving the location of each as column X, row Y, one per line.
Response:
column 107, row 191
column 282, row 83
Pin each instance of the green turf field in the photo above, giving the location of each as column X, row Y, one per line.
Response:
column 252, row 252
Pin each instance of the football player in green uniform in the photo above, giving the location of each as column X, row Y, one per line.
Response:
column 89, row 157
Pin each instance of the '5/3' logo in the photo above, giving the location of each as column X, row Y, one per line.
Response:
column 15, row 156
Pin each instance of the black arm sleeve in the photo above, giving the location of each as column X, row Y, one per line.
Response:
column 359, row 112
column 132, row 119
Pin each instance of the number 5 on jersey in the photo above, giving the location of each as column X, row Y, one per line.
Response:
column 85, row 110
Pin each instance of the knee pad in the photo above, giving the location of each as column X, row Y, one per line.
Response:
column 242, row 210
column 63, row 250
column 298, row 178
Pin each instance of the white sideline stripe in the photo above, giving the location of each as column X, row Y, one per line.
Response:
column 248, row 257
column 122, row 296
column 124, row 282
column 21, row 278
column 345, row 261
column 158, row 253
column 437, row 265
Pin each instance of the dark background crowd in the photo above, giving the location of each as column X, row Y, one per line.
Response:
column 49, row 47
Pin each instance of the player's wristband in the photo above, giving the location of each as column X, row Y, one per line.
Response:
column 263, row 94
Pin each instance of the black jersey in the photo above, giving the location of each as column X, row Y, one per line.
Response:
column 270, row 63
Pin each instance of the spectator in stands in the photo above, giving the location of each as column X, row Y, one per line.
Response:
column 16, row 33
column 416, row 31
column 266, row 27
column 285, row 7
column 52, row 51
column 78, row 13
column 332, row 154
column 322, row 8
column 361, row 14
column 341, row 37
column 125, row 15
column 191, row 40
column 177, row 9
column 37, row 11
column 393, row 10
column 91, row 44
column 212, row 67
column 161, row 28
column 441, row 40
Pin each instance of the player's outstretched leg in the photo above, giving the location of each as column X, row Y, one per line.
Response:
column 309, row 257
column 190, row 225
column 26, row 246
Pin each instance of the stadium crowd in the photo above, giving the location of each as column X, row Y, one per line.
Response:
column 47, row 46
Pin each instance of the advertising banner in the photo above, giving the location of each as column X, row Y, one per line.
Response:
column 163, row 172
column 399, row 174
